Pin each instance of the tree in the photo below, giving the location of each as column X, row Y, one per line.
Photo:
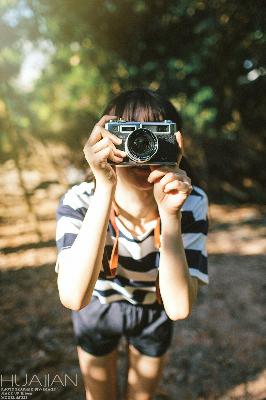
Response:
column 206, row 56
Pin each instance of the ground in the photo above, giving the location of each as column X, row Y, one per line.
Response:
column 218, row 353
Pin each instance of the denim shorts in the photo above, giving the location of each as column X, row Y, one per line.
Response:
column 98, row 327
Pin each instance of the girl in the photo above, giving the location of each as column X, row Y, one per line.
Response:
column 139, row 220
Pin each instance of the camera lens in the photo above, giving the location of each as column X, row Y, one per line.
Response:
column 141, row 145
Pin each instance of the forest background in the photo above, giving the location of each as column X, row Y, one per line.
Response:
column 206, row 56
column 60, row 62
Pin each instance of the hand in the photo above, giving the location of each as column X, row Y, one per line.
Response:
column 172, row 186
column 99, row 148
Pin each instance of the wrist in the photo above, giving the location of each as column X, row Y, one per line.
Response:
column 171, row 223
column 105, row 188
column 105, row 184
column 170, row 217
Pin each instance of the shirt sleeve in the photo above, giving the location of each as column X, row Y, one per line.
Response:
column 194, row 234
column 68, row 223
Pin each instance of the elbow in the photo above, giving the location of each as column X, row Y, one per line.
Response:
column 72, row 303
column 179, row 314
column 180, row 309
column 71, row 297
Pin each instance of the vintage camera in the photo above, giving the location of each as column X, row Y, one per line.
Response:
column 145, row 142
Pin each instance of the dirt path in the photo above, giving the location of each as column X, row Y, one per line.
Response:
column 219, row 353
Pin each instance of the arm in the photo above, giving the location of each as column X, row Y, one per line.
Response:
column 79, row 266
column 178, row 289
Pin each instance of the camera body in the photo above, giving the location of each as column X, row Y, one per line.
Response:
column 145, row 143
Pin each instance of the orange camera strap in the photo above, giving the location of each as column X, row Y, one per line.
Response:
column 113, row 262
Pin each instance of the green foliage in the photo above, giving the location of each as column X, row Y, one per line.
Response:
column 201, row 54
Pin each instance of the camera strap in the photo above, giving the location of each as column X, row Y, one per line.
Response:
column 113, row 262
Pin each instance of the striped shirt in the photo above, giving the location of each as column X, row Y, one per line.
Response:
column 138, row 258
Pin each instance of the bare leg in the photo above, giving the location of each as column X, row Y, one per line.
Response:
column 99, row 375
column 143, row 375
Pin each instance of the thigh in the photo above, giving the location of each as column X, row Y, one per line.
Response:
column 144, row 374
column 99, row 375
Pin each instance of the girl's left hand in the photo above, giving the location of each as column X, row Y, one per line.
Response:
column 172, row 186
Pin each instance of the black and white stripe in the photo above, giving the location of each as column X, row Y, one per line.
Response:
column 138, row 258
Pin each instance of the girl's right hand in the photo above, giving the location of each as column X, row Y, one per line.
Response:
column 99, row 148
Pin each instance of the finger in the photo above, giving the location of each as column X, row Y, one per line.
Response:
column 115, row 158
column 105, row 119
column 171, row 176
column 156, row 174
column 159, row 172
column 175, row 168
column 119, row 153
column 106, row 141
column 180, row 186
column 168, row 168
column 115, row 139
column 101, row 144
column 98, row 133
column 104, row 154
column 180, row 143
column 163, row 167
column 95, row 136
column 100, row 158
column 184, row 174
column 181, row 172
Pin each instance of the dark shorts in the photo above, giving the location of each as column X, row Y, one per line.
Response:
column 99, row 327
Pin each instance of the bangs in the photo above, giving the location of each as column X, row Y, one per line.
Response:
column 142, row 105
column 137, row 105
column 137, row 111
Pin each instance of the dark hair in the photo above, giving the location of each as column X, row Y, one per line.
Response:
column 141, row 103
column 145, row 104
